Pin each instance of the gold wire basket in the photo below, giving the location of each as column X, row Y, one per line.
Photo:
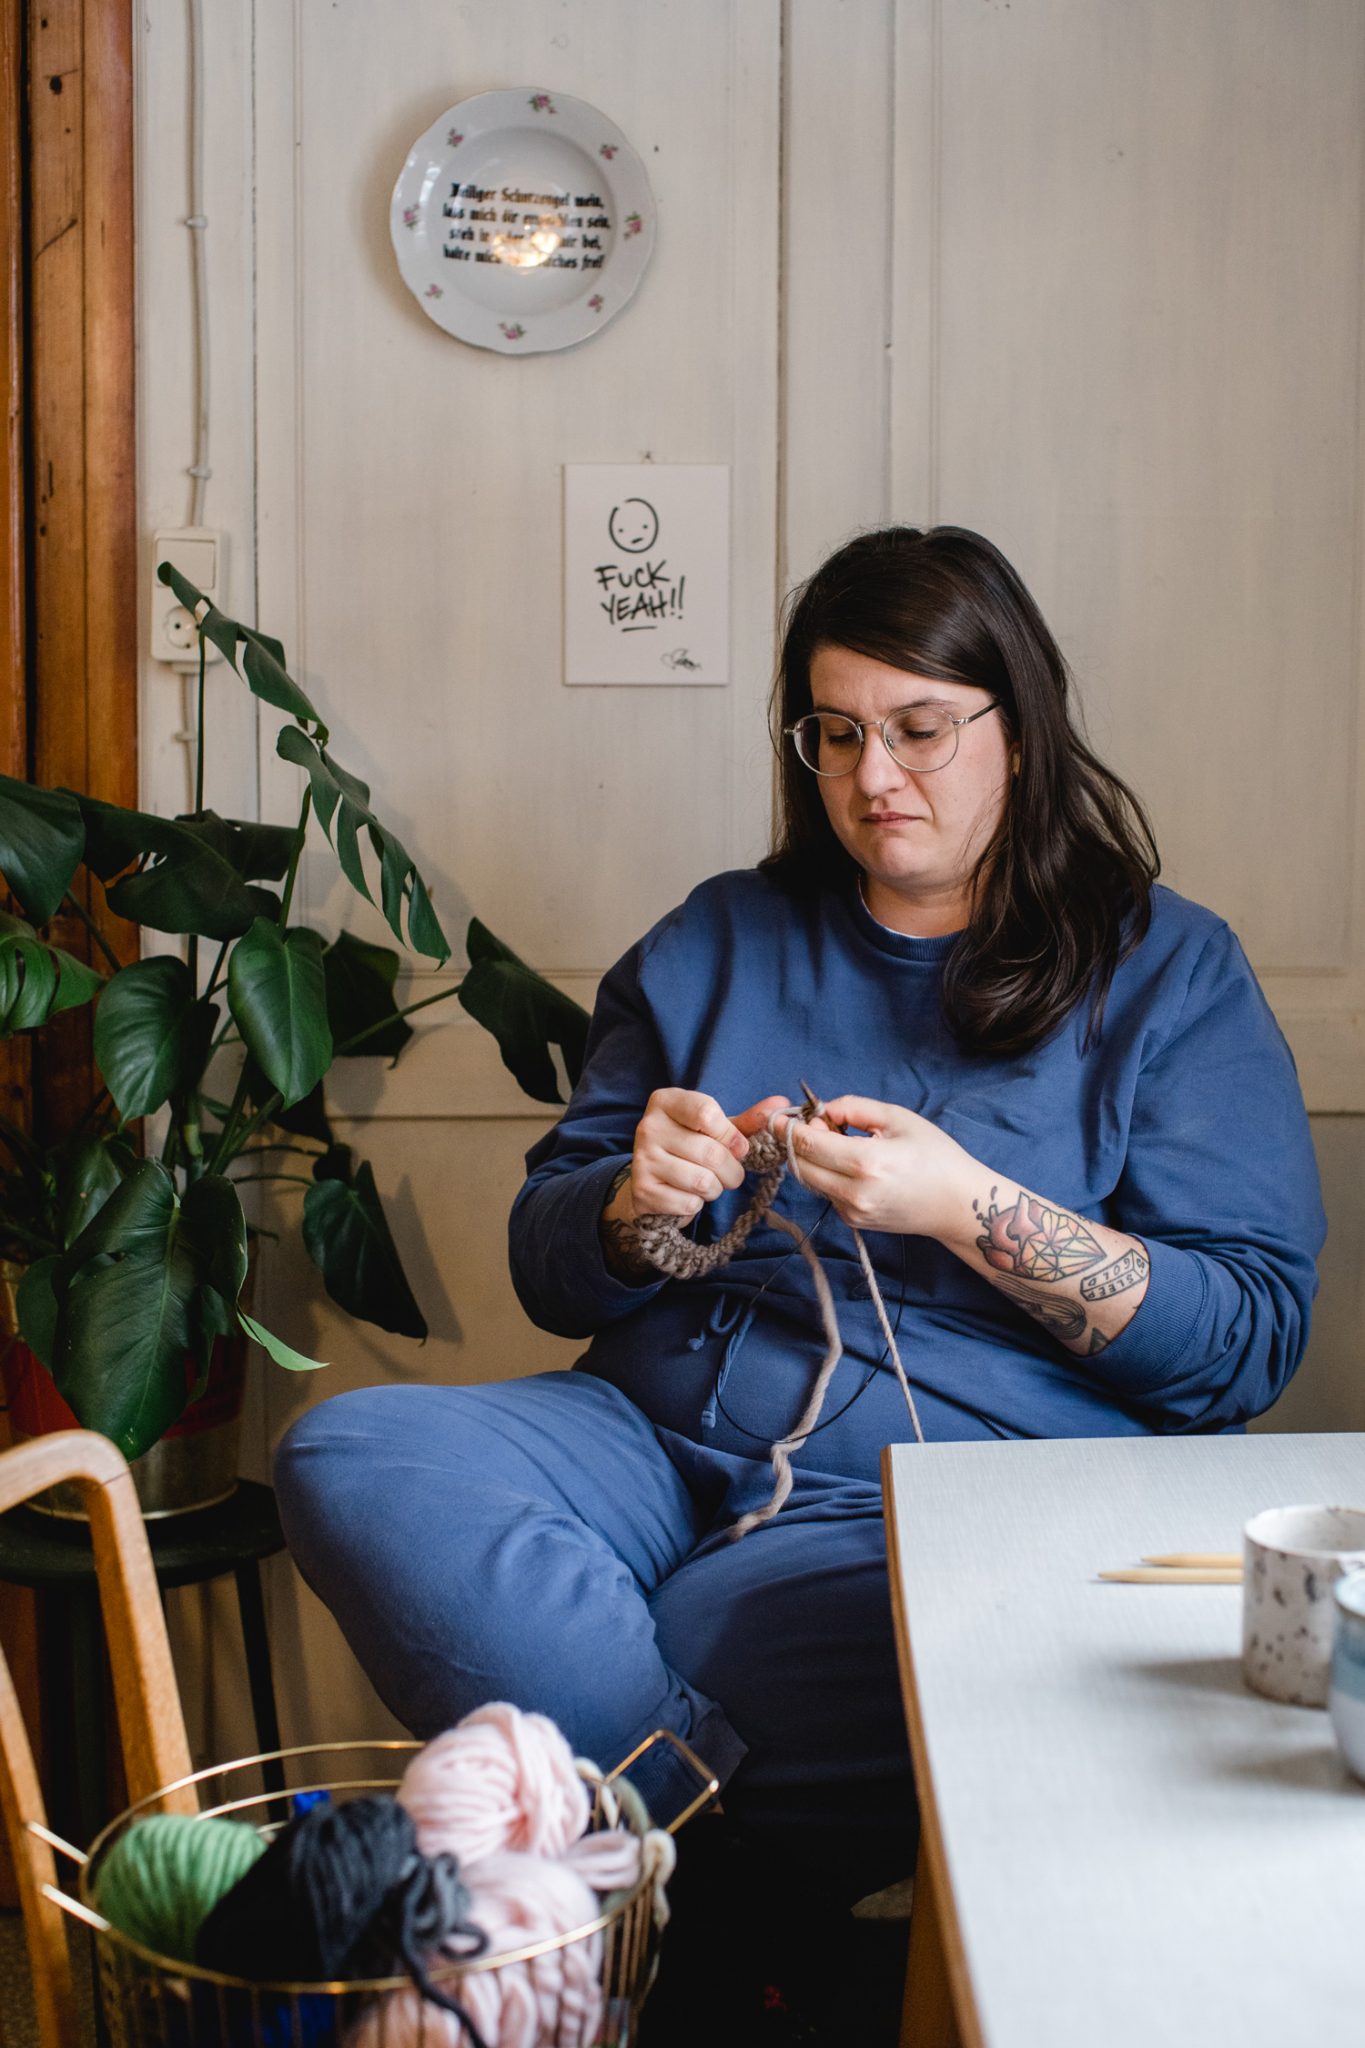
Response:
column 153, row 2001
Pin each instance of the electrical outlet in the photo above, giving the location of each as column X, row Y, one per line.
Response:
column 198, row 552
column 181, row 631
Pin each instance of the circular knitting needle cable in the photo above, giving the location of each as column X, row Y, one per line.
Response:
column 662, row 1241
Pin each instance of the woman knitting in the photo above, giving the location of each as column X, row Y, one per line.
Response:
column 1054, row 1102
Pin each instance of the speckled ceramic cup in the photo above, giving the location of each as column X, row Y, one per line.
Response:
column 1347, row 1697
column 1291, row 1560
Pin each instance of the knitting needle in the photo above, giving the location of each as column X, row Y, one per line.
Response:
column 1172, row 1575
column 1211, row 1560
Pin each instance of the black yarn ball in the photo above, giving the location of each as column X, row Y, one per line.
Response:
column 344, row 1892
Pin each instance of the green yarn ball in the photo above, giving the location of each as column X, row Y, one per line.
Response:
column 162, row 1878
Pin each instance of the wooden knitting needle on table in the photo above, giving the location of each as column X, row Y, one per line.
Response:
column 1174, row 1575
column 1206, row 1560
column 1183, row 1568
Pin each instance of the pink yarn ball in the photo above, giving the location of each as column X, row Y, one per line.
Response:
column 550, row 2001
column 499, row 1779
column 610, row 1860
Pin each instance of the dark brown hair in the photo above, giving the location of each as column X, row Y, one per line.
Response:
column 1063, row 891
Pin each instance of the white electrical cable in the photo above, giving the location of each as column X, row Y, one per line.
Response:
column 199, row 471
column 197, row 223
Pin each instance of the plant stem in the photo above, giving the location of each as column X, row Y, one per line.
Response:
column 220, row 1150
column 350, row 1044
column 227, row 1035
column 299, row 836
column 217, row 970
column 92, row 1108
column 262, row 1116
column 199, row 731
column 170, row 1151
column 96, row 934
column 231, row 1142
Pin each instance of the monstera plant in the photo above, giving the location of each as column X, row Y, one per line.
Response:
column 134, row 1261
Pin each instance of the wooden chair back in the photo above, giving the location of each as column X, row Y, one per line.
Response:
column 147, row 1701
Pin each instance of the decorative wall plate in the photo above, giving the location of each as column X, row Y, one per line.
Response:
column 522, row 221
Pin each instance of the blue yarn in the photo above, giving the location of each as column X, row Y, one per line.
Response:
column 304, row 1802
column 227, row 2019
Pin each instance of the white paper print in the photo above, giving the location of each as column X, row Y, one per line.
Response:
column 646, row 573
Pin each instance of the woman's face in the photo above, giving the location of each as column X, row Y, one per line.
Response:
column 916, row 837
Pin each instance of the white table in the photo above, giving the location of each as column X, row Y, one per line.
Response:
column 1122, row 1846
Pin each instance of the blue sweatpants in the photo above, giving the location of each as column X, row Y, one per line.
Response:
column 541, row 1541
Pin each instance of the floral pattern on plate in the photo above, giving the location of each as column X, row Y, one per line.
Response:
column 536, row 235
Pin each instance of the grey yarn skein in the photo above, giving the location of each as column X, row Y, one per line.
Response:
column 661, row 1240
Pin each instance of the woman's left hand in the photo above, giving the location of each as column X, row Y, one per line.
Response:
column 906, row 1176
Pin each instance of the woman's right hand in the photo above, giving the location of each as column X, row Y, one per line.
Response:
column 687, row 1151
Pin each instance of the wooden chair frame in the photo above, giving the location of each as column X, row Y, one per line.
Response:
column 146, row 1697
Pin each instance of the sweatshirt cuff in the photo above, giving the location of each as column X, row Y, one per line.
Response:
column 579, row 1243
column 1151, row 1350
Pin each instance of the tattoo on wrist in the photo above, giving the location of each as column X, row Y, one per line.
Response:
column 1034, row 1242
column 1129, row 1270
column 622, row 1249
column 1059, row 1316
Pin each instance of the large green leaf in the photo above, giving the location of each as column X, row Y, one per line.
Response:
column 147, row 1284
column 124, row 1291
column 37, row 1307
column 524, row 1012
column 41, row 843
column 278, row 998
column 258, row 853
column 116, row 836
column 195, row 872
column 152, row 1034
column 77, row 982
column 262, row 661
column 194, row 890
column 214, row 1229
column 360, row 980
column 342, row 802
column 88, row 1171
column 348, row 1240
column 28, row 977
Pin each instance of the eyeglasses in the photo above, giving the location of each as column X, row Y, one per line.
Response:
column 922, row 737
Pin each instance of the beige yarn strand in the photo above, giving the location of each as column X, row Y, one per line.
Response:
column 662, row 1241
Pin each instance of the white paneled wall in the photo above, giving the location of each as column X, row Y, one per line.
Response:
column 1083, row 274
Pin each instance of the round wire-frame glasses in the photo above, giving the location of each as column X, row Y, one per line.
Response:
column 921, row 737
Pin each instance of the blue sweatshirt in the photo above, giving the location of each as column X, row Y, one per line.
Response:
column 1183, row 1126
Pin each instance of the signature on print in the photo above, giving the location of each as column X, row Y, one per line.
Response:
column 679, row 658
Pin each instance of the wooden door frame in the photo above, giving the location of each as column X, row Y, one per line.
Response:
column 68, row 499
column 71, row 595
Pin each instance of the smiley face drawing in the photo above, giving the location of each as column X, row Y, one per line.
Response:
column 633, row 525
